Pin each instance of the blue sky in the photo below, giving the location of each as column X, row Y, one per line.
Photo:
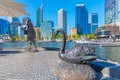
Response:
column 52, row 6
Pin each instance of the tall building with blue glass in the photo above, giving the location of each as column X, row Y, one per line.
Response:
column 112, row 11
column 4, row 26
column 81, row 19
column 94, row 22
column 15, row 22
column 39, row 17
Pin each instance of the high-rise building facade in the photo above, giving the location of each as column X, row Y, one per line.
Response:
column 4, row 26
column 81, row 19
column 62, row 20
column 20, row 31
column 14, row 29
column 93, row 22
column 39, row 17
column 51, row 23
column 112, row 11
column 37, row 31
column 24, row 21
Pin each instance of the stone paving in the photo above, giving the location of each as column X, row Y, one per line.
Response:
column 19, row 64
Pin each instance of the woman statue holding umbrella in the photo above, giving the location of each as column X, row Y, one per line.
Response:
column 31, row 35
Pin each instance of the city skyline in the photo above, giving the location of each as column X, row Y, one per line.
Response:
column 50, row 9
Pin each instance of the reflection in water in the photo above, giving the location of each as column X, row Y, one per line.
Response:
column 104, row 53
column 108, row 53
column 15, row 44
column 113, row 53
column 100, row 51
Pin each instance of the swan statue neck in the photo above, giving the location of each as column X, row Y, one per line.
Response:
column 63, row 43
column 62, row 50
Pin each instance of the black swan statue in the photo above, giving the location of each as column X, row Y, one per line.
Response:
column 73, row 65
column 76, row 55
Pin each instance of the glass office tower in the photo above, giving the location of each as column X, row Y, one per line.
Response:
column 112, row 11
column 4, row 26
column 14, row 26
column 39, row 16
column 94, row 22
column 81, row 19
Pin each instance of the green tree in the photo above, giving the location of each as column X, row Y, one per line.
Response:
column 78, row 36
column 17, row 37
column 74, row 37
column 12, row 39
column 59, row 36
column 91, row 36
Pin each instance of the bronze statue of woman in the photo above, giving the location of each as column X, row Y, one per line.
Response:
column 31, row 35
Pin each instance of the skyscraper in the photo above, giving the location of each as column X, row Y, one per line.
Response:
column 94, row 22
column 51, row 23
column 4, row 26
column 14, row 26
column 112, row 11
column 39, row 17
column 81, row 19
column 62, row 20
column 24, row 21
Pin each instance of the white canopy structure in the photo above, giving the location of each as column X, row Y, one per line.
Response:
column 11, row 8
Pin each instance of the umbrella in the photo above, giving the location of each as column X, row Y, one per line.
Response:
column 11, row 8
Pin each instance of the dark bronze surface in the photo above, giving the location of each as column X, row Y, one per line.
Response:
column 76, row 55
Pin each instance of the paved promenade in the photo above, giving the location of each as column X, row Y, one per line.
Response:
column 19, row 64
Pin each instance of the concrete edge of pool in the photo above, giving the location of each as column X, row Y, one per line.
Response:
column 107, row 69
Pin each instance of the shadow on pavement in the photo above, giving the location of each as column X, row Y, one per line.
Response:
column 10, row 52
column 51, row 48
